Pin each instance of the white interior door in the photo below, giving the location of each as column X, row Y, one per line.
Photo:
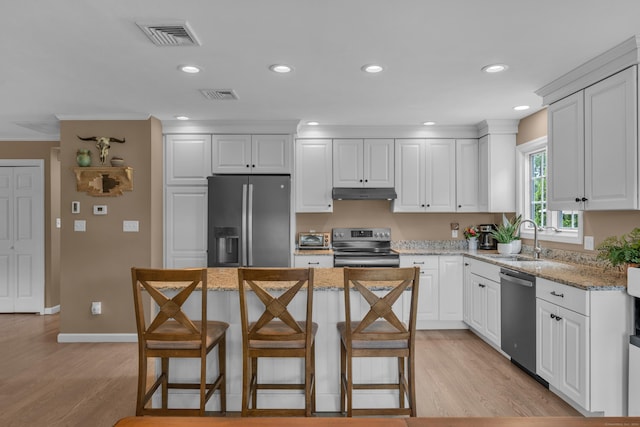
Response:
column 21, row 239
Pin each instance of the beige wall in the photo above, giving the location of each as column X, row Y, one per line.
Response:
column 404, row 226
column 47, row 151
column 95, row 265
column 597, row 224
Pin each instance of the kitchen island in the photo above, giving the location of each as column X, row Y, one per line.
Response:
column 328, row 309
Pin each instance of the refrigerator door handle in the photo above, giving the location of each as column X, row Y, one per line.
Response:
column 243, row 243
column 250, row 226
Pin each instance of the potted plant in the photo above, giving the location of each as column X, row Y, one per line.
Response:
column 621, row 252
column 506, row 233
column 471, row 234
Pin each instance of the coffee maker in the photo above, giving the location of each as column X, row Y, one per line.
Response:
column 485, row 239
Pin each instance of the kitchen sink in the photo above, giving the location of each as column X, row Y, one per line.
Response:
column 512, row 257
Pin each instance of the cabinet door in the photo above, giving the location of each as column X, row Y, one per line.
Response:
column 378, row 163
column 410, row 175
column 348, row 163
column 313, row 175
column 440, row 174
column 467, row 292
column 497, row 173
column 231, row 154
column 478, row 303
column 573, row 356
column 546, row 338
column 186, row 227
column 270, row 154
column 565, row 147
column 187, row 159
column 451, row 279
column 493, row 312
column 467, row 175
column 428, row 295
column 611, row 159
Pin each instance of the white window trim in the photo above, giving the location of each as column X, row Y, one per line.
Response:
column 522, row 153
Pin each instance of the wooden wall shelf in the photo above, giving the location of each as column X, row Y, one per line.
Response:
column 104, row 181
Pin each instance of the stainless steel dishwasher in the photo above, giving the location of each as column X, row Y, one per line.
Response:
column 518, row 318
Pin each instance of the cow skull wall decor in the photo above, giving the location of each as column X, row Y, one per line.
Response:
column 103, row 144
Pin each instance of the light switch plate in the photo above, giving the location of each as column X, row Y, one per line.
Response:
column 99, row 209
column 588, row 243
column 75, row 207
column 79, row 225
column 130, row 226
column 58, row 223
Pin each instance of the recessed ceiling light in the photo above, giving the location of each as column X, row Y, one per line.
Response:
column 189, row 69
column 313, row 123
column 521, row 107
column 280, row 68
column 372, row 68
column 429, row 123
column 182, row 118
column 495, row 68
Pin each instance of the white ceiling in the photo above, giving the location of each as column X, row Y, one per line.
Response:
column 88, row 59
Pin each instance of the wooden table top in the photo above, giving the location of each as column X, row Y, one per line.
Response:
column 379, row 422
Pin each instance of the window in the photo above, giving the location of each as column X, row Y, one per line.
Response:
column 559, row 226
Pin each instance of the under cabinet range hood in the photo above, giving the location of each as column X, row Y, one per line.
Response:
column 340, row 193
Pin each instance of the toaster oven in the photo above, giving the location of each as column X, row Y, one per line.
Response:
column 313, row 240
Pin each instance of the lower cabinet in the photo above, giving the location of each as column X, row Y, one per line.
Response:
column 440, row 294
column 482, row 299
column 581, row 345
column 318, row 261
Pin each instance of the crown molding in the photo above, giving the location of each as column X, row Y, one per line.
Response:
column 602, row 66
column 497, row 127
column 105, row 117
column 230, row 126
column 342, row 131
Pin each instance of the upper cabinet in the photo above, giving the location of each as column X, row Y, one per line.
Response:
column 248, row 154
column 425, row 175
column 187, row 159
column 363, row 163
column 313, row 178
column 593, row 149
column 467, row 175
column 497, row 173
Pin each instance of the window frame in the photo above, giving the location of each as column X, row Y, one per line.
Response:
column 522, row 197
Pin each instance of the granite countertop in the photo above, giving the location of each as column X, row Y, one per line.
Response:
column 576, row 275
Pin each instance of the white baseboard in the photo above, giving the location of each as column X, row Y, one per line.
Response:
column 66, row 338
column 52, row 310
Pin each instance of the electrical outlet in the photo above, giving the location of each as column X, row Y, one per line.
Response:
column 454, row 234
column 79, row 225
column 58, row 223
column 96, row 308
column 99, row 209
column 130, row 226
column 588, row 243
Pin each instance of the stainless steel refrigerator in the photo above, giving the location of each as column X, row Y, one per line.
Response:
column 249, row 221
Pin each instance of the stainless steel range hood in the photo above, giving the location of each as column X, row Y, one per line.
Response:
column 340, row 193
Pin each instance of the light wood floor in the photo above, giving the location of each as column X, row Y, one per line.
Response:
column 50, row 384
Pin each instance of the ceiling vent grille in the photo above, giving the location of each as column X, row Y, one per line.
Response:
column 169, row 33
column 219, row 94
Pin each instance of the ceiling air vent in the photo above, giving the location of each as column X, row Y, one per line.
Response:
column 219, row 94
column 169, row 33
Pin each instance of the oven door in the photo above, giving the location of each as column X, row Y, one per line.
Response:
column 362, row 260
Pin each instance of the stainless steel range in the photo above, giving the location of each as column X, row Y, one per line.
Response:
column 363, row 247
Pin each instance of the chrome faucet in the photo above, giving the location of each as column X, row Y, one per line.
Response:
column 536, row 249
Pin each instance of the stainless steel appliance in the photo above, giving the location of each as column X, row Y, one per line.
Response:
column 249, row 221
column 633, row 288
column 518, row 319
column 363, row 247
column 485, row 239
column 314, row 240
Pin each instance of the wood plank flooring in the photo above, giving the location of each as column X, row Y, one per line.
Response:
column 50, row 384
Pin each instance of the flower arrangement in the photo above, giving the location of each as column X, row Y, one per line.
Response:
column 471, row 232
column 621, row 251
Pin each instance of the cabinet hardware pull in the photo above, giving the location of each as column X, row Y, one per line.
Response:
column 556, row 294
column 418, row 263
column 558, row 318
column 314, row 263
column 577, row 199
column 584, row 199
column 247, row 165
column 553, row 316
column 466, row 264
column 428, row 205
column 481, row 285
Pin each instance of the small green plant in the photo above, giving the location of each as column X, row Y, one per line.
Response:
column 508, row 231
column 620, row 251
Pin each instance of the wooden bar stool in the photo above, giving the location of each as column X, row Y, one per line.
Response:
column 276, row 333
column 172, row 334
column 379, row 333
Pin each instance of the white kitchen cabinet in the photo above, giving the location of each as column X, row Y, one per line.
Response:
column 363, row 163
column 313, row 175
column 467, row 175
column 185, row 226
column 592, row 143
column 581, row 345
column 317, row 261
column 425, row 173
column 482, row 300
column 187, row 159
column 440, row 294
column 251, row 154
column 497, row 173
